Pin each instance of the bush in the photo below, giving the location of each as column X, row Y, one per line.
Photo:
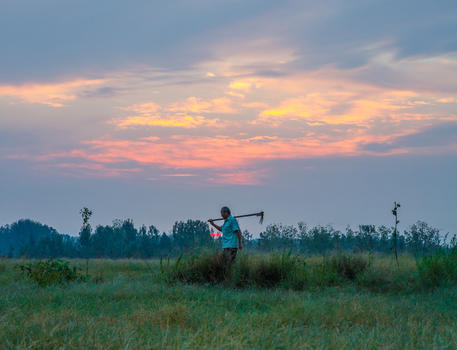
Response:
column 348, row 266
column 2, row 266
column 199, row 268
column 438, row 269
column 264, row 272
column 293, row 271
column 50, row 272
column 272, row 271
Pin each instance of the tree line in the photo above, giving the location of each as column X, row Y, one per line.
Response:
column 122, row 239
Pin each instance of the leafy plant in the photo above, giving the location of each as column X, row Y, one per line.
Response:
column 2, row 265
column 348, row 266
column 265, row 271
column 51, row 271
column 84, row 235
column 99, row 277
column 395, row 233
column 438, row 269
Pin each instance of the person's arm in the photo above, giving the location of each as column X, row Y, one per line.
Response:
column 214, row 225
column 240, row 240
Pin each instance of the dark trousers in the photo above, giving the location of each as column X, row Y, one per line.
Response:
column 230, row 254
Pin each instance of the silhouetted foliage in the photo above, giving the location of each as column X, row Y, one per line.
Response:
column 30, row 238
column 122, row 239
column 191, row 234
column 84, row 234
column 395, row 234
column 422, row 239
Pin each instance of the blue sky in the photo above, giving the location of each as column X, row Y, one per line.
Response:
column 323, row 112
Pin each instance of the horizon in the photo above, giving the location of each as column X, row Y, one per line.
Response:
column 158, row 112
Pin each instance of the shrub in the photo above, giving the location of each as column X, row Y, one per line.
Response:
column 2, row 266
column 99, row 277
column 322, row 274
column 265, row 272
column 202, row 268
column 241, row 273
column 348, row 266
column 438, row 269
column 51, row 271
column 274, row 270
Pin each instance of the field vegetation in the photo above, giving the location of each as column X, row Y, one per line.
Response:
column 294, row 287
column 264, row 301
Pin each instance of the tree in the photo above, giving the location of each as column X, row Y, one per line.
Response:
column 247, row 238
column 385, row 234
column 190, row 234
column 422, row 238
column 84, row 234
column 367, row 237
column 165, row 244
column 321, row 239
column 395, row 235
column 278, row 236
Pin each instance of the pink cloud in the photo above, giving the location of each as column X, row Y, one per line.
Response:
column 51, row 94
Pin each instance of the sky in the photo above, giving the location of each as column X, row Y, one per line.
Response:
column 324, row 112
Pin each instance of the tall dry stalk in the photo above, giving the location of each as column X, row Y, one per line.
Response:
column 395, row 235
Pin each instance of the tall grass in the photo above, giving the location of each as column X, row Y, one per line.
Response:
column 438, row 269
column 268, row 271
column 286, row 270
column 132, row 308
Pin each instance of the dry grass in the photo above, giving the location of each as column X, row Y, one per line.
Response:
column 132, row 309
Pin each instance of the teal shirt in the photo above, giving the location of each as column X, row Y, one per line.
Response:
column 229, row 237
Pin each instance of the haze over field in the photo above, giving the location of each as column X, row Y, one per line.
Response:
column 164, row 111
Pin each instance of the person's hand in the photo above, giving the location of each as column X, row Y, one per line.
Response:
column 211, row 221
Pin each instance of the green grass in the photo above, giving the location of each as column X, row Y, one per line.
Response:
column 127, row 305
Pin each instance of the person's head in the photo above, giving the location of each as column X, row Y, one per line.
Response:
column 225, row 212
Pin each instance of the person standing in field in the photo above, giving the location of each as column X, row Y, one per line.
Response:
column 231, row 234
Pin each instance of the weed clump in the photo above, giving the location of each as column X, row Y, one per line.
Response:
column 348, row 266
column 2, row 266
column 51, row 271
column 202, row 268
column 264, row 272
column 299, row 273
column 274, row 270
column 438, row 269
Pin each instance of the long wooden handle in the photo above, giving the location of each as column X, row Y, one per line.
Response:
column 240, row 216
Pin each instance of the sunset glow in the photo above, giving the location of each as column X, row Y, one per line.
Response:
column 247, row 96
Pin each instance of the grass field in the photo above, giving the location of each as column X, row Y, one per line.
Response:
column 127, row 305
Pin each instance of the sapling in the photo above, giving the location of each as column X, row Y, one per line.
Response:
column 395, row 235
column 84, row 235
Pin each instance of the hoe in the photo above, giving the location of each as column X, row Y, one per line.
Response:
column 261, row 214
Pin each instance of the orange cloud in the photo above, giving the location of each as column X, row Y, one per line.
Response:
column 143, row 108
column 296, row 115
column 253, row 177
column 179, row 115
column 179, row 175
column 95, row 169
column 320, row 107
column 241, row 85
column 177, row 121
column 197, row 105
column 54, row 95
column 188, row 152
column 447, row 100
